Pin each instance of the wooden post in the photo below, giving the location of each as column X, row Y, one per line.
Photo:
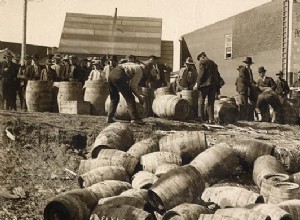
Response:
column 23, row 50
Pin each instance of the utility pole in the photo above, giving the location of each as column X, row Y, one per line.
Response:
column 23, row 50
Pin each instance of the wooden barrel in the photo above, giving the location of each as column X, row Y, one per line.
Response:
column 109, row 188
column 180, row 185
column 115, row 136
column 122, row 109
column 151, row 161
column 164, row 91
column 242, row 213
column 292, row 207
column 185, row 211
column 149, row 96
column 69, row 91
column 119, row 200
column 290, row 113
column 192, row 97
column 265, row 165
column 139, row 193
column 38, row 96
column 270, row 180
column 164, row 168
column 227, row 111
column 110, row 158
column 121, row 212
column 75, row 204
column 296, row 96
column 187, row 144
column 102, row 173
column 143, row 180
column 295, row 178
column 171, row 107
column 96, row 92
column 144, row 147
column 54, row 92
column 249, row 150
column 283, row 191
column 288, row 155
column 215, row 217
column 216, row 162
column 275, row 212
column 231, row 196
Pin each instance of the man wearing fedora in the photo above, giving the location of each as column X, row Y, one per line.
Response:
column 265, row 81
column 118, row 82
column 8, row 72
column 208, row 83
column 59, row 68
column 24, row 74
column 187, row 76
column 282, row 87
column 244, row 88
column 48, row 74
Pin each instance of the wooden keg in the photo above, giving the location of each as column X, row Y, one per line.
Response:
column 215, row 217
column 109, row 188
column 149, row 96
column 188, row 144
column 292, row 207
column 242, row 213
column 122, row 109
column 164, row 91
column 275, row 212
column 270, row 180
column 69, row 91
column 164, row 168
column 180, row 185
column 296, row 96
column 227, row 111
column 216, row 162
column 144, row 147
column 170, row 107
column 266, row 165
column 115, row 136
column 231, row 196
column 192, row 97
column 96, row 92
column 119, row 200
column 283, row 191
column 185, row 211
column 38, row 96
column 143, row 180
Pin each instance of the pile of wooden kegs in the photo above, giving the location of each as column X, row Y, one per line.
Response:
column 176, row 176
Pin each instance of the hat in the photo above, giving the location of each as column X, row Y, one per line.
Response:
column 66, row 57
column 8, row 54
column 17, row 57
column 49, row 62
column 27, row 57
column 248, row 60
column 240, row 67
column 57, row 56
column 200, row 55
column 35, row 57
column 189, row 60
column 280, row 73
column 261, row 69
column 96, row 62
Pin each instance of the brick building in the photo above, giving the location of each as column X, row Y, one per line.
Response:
column 261, row 33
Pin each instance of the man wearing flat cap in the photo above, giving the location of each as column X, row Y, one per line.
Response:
column 264, row 80
column 282, row 87
column 119, row 82
column 187, row 76
column 8, row 73
column 208, row 83
column 245, row 83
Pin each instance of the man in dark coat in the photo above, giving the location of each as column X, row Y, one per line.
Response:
column 208, row 82
column 59, row 68
column 149, row 75
column 118, row 82
column 282, row 87
column 265, row 81
column 244, row 84
column 9, row 71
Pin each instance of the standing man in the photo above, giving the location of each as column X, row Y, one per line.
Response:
column 48, row 74
column 282, row 87
column 244, row 83
column 37, row 68
column 149, row 76
column 187, row 76
column 118, row 81
column 297, row 82
column 208, row 82
column 264, row 80
column 67, row 72
column 24, row 73
column 9, row 71
column 59, row 68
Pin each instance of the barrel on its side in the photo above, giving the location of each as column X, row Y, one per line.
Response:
column 109, row 188
column 164, row 168
column 96, row 92
column 180, row 185
column 216, row 162
column 69, row 91
column 171, row 107
column 143, row 180
column 38, row 96
column 144, row 147
column 292, row 207
column 115, row 136
column 275, row 212
column 215, row 217
column 283, row 191
column 242, row 213
column 192, row 97
column 188, row 144
column 119, row 200
column 227, row 111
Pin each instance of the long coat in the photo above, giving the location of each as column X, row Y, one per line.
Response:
column 208, row 74
column 8, row 72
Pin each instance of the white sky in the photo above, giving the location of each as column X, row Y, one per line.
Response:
column 46, row 17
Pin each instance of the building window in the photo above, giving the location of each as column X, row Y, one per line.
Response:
column 228, row 46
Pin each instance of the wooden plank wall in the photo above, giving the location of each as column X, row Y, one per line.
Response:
column 96, row 34
column 167, row 52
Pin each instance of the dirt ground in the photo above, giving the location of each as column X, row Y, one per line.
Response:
column 37, row 148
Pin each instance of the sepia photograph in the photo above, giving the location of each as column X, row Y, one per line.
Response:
column 149, row 109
